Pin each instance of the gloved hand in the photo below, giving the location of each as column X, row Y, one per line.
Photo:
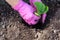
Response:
column 27, row 12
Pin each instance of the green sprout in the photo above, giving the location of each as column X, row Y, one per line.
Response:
column 41, row 8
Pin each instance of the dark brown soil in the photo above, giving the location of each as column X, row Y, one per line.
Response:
column 12, row 26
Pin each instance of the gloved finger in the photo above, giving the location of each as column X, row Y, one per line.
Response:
column 44, row 17
column 32, row 1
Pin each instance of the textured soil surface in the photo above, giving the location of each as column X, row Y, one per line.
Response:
column 12, row 26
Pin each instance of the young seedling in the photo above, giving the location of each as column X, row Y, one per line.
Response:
column 41, row 8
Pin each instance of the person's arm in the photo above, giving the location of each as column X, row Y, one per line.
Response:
column 12, row 2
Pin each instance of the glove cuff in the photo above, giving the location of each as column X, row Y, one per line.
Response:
column 18, row 5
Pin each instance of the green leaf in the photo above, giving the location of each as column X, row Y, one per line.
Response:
column 41, row 8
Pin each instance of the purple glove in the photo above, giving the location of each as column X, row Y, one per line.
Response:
column 44, row 15
column 27, row 12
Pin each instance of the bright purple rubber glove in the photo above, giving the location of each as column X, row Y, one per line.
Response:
column 27, row 12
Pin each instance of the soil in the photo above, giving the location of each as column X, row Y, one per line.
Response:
column 13, row 27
